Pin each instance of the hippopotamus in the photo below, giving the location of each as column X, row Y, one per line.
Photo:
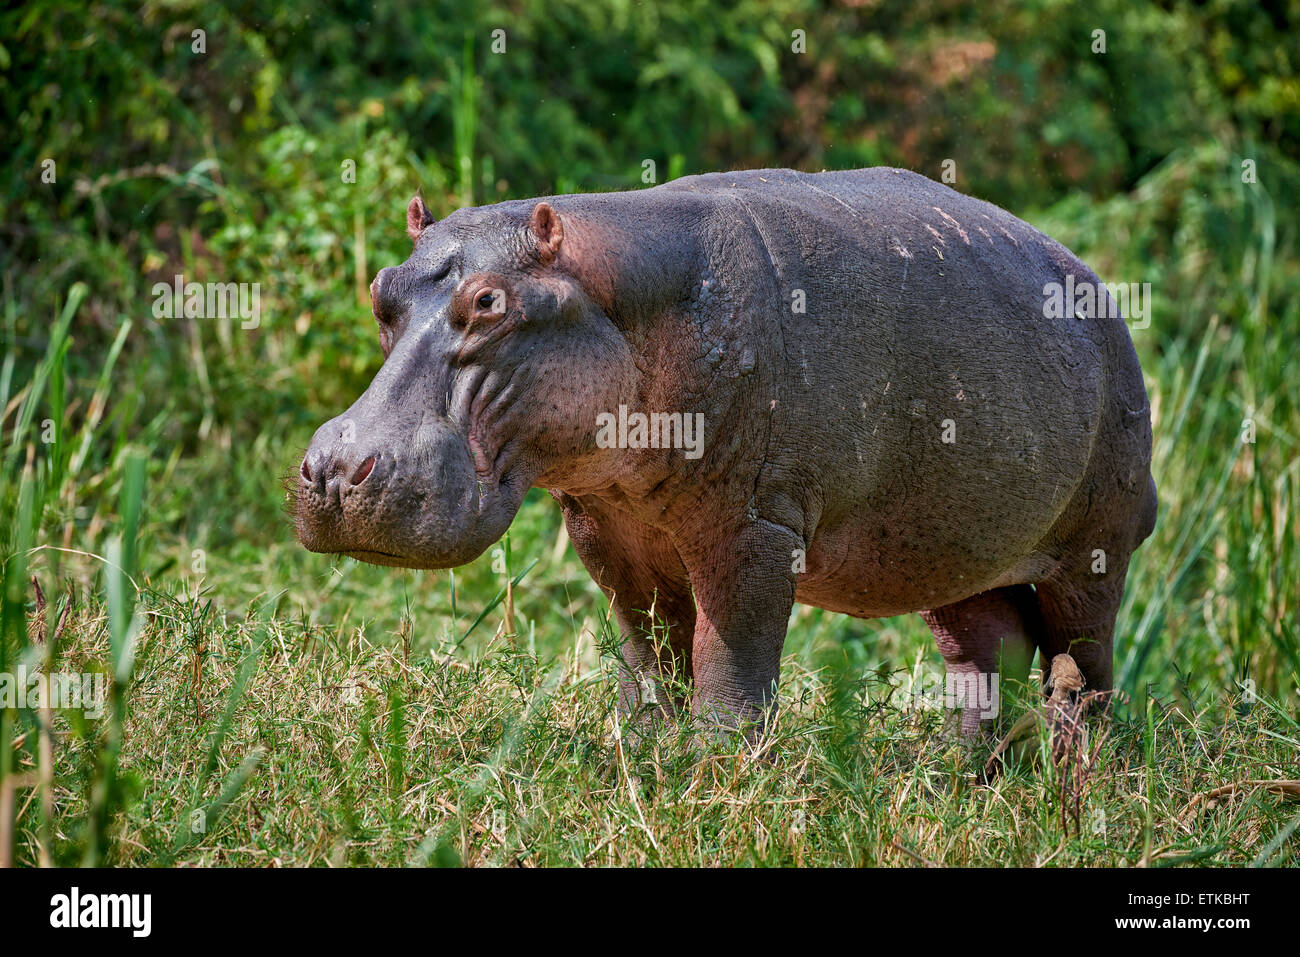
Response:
column 751, row 389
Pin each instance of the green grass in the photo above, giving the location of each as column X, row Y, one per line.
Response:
column 358, row 750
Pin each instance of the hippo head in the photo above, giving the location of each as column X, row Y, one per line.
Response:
column 496, row 364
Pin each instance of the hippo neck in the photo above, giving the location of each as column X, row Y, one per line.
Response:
column 645, row 258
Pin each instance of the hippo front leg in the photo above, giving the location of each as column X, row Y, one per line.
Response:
column 744, row 589
column 646, row 584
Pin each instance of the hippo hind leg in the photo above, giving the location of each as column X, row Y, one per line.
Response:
column 983, row 637
column 1079, row 611
column 1080, row 600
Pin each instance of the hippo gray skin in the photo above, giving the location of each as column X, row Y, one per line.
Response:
column 893, row 421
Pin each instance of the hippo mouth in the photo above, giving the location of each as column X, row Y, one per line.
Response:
column 421, row 508
column 444, row 534
column 377, row 558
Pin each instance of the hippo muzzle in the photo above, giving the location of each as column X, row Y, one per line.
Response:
column 409, row 499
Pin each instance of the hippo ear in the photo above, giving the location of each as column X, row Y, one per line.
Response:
column 417, row 218
column 547, row 230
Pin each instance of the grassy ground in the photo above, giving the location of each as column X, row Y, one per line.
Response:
column 317, row 711
column 359, row 750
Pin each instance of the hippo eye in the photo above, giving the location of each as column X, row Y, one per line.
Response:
column 490, row 301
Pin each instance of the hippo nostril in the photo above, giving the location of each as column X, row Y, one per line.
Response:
column 363, row 470
column 306, row 472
